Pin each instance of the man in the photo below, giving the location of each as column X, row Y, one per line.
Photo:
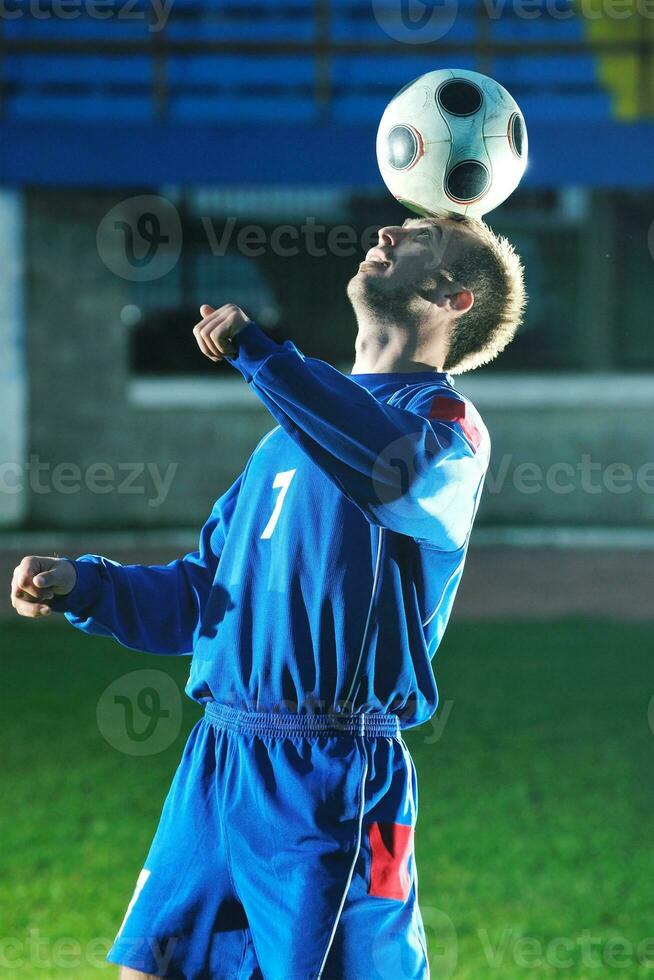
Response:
column 318, row 595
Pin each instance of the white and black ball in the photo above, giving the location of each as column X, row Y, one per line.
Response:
column 452, row 142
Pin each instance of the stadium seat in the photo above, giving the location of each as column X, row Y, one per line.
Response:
column 78, row 28
column 234, row 71
column 206, row 108
column 541, row 29
column 360, row 70
column 260, row 88
column 348, row 25
column 557, row 70
column 30, row 71
column 91, row 107
column 264, row 29
column 358, row 108
column 591, row 107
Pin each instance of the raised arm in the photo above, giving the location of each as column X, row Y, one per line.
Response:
column 154, row 608
column 414, row 465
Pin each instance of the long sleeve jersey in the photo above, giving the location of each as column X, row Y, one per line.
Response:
column 324, row 577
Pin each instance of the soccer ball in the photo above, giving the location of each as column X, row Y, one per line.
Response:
column 452, row 142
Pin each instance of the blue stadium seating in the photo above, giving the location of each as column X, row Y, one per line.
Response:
column 90, row 108
column 538, row 69
column 262, row 29
column 589, row 107
column 82, row 27
column 357, row 70
column 35, row 71
column 250, row 109
column 229, row 87
column 241, row 71
column 513, row 28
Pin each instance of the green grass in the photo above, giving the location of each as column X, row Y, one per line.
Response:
column 535, row 844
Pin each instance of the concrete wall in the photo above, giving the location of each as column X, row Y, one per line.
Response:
column 101, row 444
column 567, row 449
column 92, row 452
column 13, row 382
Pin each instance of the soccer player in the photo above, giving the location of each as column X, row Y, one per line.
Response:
column 313, row 606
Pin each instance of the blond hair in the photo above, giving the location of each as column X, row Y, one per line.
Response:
column 493, row 271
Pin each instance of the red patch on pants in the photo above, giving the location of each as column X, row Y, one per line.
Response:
column 390, row 847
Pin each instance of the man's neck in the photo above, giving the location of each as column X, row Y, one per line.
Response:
column 383, row 348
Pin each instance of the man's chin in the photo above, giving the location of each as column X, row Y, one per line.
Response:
column 372, row 297
column 358, row 288
column 368, row 274
column 370, row 282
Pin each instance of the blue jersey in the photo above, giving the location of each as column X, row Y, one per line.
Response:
column 325, row 576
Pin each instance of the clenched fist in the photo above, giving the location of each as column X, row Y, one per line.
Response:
column 38, row 579
column 215, row 333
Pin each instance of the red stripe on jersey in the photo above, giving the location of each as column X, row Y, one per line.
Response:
column 390, row 848
column 453, row 410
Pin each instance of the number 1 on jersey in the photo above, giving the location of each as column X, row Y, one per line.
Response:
column 282, row 482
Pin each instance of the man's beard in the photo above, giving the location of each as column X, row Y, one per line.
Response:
column 372, row 300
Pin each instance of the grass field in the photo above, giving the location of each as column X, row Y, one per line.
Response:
column 535, row 843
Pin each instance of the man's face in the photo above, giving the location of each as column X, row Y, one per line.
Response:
column 406, row 260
